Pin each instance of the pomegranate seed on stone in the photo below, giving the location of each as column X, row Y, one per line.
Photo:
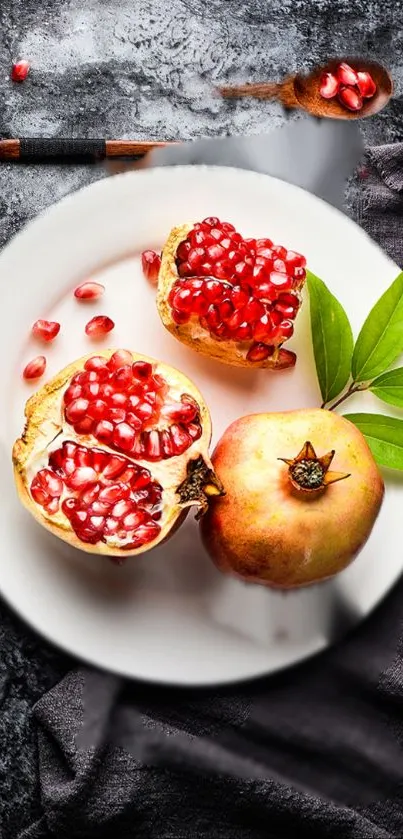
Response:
column 89, row 291
column 35, row 368
column 366, row 84
column 350, row 98
column 46, row 330
column 19, row 71
column 346, row 75
column 328, row 85
column 151, row 264
column 99, row 326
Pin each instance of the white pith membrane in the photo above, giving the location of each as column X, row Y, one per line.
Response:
column 118, row 503
column 193, row 333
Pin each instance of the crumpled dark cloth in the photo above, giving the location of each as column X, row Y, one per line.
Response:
column 313, row 752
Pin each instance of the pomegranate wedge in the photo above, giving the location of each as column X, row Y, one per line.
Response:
column 228, row 297
column 114, row 453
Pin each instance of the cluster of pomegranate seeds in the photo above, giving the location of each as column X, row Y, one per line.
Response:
column 245, row 290
column 46, row 330
column 350, row 86
column 19, row 71
column 151, row 264
column 126, row 406
column 104, row 496
column 35, row 368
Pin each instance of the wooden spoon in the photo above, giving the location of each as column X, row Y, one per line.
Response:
column 303, row 91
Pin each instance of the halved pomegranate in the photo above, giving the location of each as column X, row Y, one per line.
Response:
column 114, row 453
column 228, row 297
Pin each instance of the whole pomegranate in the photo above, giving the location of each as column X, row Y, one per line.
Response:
column 114, row 452
column 228, row 297
column 287, row 519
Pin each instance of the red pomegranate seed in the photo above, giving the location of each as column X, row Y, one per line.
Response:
column 89, row 291
column 180, row 439
column 46, row 330
column 287, row 328
column 97, row 409
column 244, row 332
column 214, row 290
column 264, row 243
column 328, row 85
column 199, row 303
column 195, row 257
column 294, row 260
column 53, row 506
column 142, row 370
column 120, row 358
column 72, row 392
column 180, row 317
column 263, row 328
column 98, row 364
column 211, row 221
column 258, row 352
column 19, row 71
column 225, row 309
column 242, row 270
column 182, row 301
column 121, row 508
column 152, row 445
column 82, row 477
column 350, row 98
column 366, row 84
column 124, row 436
column 167, row 448
column 253, row 310
column 84, row 426
column 35, row 368
column 184, row 269
column 279, row 282
column 180, row 411
column 346, row 75
column 151, row 264
column 207, row 269
column 184, row 247
column 262, row 290
column 280, row 251
column 103, row 431
column 235, row 320
column 99, row 326
column 77, row 409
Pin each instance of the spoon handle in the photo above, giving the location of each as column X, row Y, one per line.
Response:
column 263, row 90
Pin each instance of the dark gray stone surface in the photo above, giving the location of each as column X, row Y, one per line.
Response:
column 143, row 69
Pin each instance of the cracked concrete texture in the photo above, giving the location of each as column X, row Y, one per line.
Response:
column 145, row 69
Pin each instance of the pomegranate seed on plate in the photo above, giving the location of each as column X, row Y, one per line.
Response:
column 89, row 291
column 350, row 98
column 99, row 326
column 46, row 330
column 346, row 75
column 35, row 368
column 328, row 85
column 19, row 71
column 151, row 264
column 366, row 84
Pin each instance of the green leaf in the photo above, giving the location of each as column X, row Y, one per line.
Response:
column 380, row 341
column 384, row 436
column 389, row 387
column 332, row 338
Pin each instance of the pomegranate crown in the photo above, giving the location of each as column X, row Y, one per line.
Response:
column 310, row 473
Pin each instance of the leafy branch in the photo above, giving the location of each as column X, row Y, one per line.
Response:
column 345, row 368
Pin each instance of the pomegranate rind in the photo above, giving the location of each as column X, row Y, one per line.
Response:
column 262, row 531
column 192, row 334
column 44, row 423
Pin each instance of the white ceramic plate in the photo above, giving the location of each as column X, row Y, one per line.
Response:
column 169, row 616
